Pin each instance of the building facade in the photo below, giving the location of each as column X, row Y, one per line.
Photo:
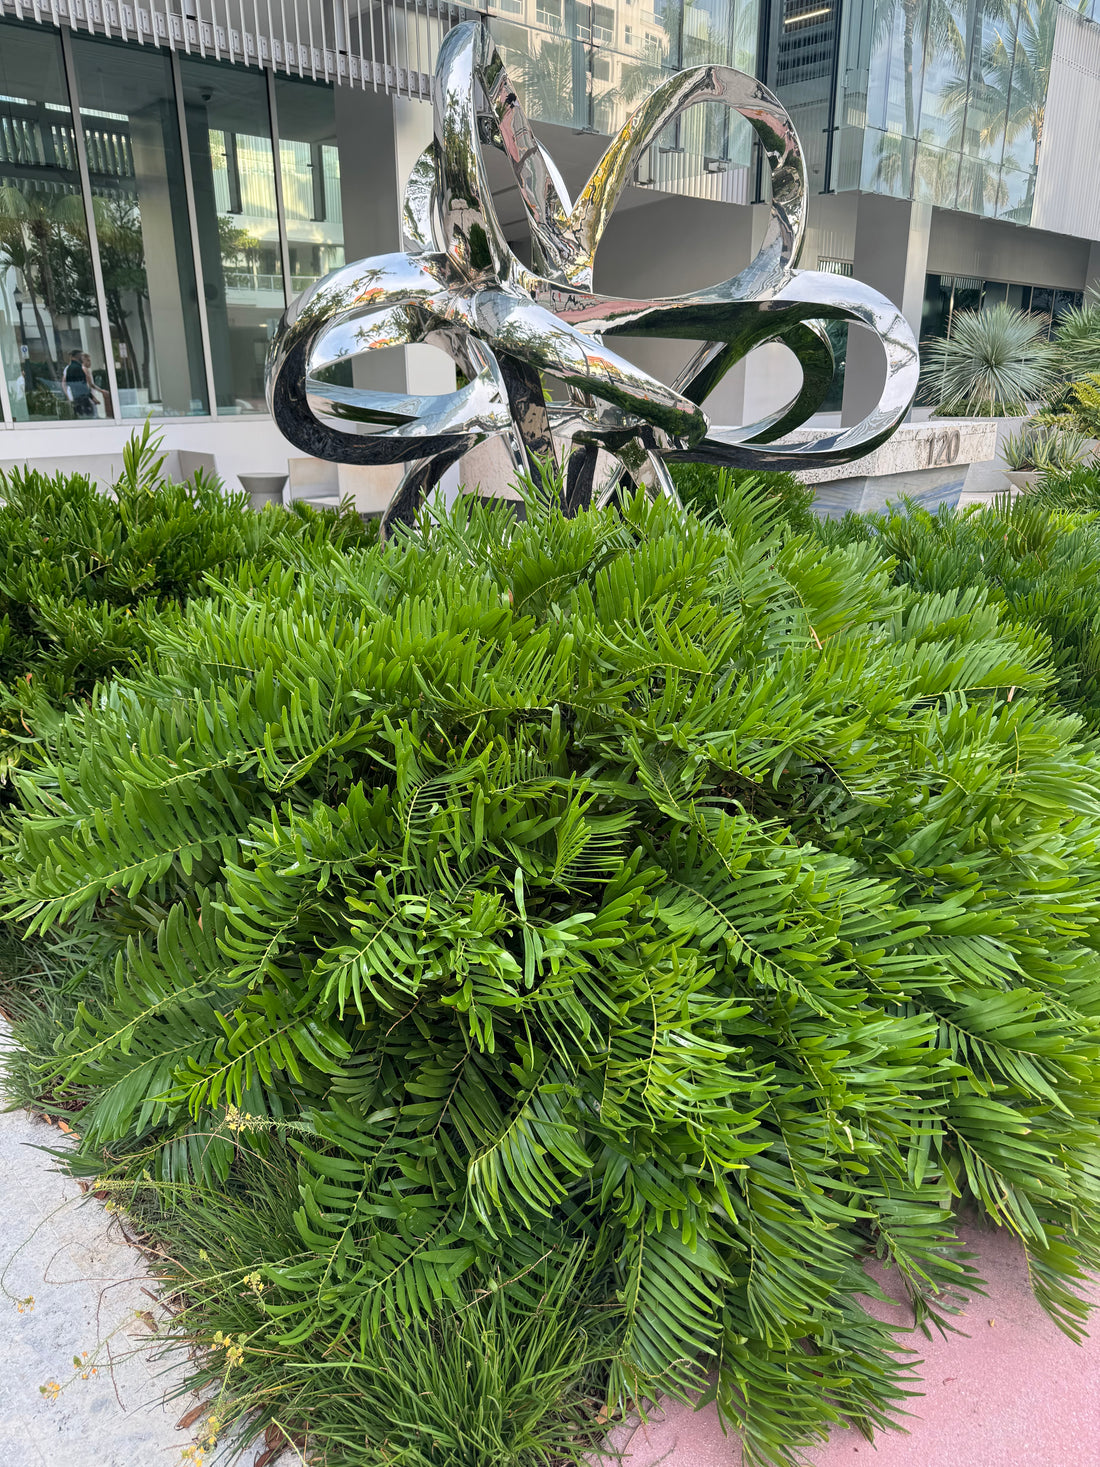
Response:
column 171, row 176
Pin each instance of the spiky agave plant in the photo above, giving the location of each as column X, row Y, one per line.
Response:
column 677, row 895
column 995, row 362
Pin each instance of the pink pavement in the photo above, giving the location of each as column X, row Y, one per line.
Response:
column 1012, row 1391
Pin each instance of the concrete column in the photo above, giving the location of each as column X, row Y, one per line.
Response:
column 891, row 254
column 380, row 138
column 1092, row 269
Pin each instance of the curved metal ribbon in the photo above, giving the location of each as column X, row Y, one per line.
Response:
column 459, row 286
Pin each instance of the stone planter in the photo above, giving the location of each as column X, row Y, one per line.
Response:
column 263, row 489
column 1022, row 480
column 924, row 463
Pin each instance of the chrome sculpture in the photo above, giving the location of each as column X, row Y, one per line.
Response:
column 460, row 286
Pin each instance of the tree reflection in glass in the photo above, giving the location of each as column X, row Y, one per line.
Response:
column 47, row 292
column 955, row 101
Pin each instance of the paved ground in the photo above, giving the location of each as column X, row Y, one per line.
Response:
column 64, row 1250
column 1012, row 1392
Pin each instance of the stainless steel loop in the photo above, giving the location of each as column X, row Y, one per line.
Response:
column 460, row 286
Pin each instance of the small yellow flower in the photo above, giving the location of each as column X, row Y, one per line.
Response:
column 25, row 1306
column 51, row 1390
column 255, row 1282
column 240, row 1120
column 204, row 1257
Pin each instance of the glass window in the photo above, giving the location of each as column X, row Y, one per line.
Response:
column 946, row 295
column 51, row 345
column 588, row 66
column 994, row 293
column 966, row 81
column 310, row 165
column 135, row 162
column 233, row 173
column 1042, row 302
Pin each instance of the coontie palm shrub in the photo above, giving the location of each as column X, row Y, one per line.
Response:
column 702, row 488
column 1075, row 490
column 681, row 901
column 1037, row 563
column 82, row 573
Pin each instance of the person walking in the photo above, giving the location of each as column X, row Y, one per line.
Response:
column 78, row 386
column 104, row 392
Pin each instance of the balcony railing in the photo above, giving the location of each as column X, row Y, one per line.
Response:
column 387, row 45
column 254, row 280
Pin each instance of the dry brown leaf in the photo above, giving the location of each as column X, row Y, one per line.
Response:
column 190, row 1417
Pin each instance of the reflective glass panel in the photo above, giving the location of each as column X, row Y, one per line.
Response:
column 49, row 321
column 135, row 163
column 965, row 81
column 233, row 174
column 588, row 65
column 310, row 164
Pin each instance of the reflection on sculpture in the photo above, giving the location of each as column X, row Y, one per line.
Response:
column 460, row 286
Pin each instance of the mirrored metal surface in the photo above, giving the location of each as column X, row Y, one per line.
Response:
column 460, row 286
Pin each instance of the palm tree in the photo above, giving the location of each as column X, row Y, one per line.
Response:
column 44, row 237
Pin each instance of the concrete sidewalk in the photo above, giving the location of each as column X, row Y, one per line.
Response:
column 62, row 1249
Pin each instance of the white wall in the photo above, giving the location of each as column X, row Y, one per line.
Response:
column 962, row 244
column 1067, row 184
column 238, row 445
column 680, row 244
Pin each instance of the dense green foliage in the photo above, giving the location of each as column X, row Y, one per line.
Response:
column 512, row 1377
column 1076, row 490
column 685, row 906
column 83, row 574
column 703, row 487
column 1038, row 563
